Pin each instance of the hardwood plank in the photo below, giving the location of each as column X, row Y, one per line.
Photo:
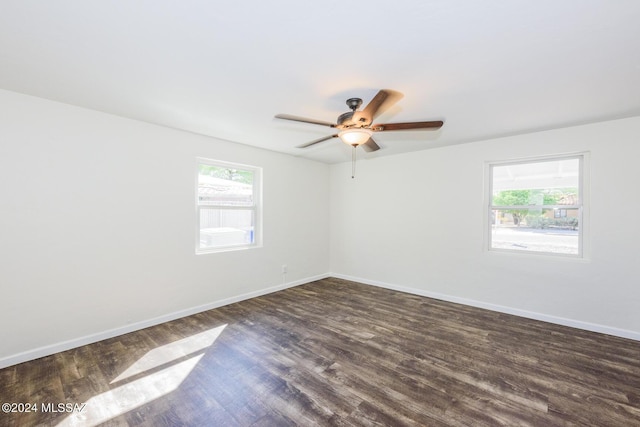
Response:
column 339, row 353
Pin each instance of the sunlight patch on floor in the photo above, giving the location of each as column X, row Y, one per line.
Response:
column 170, row 352
column 139, row 392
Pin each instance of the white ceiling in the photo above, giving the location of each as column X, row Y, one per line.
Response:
column 225, row 68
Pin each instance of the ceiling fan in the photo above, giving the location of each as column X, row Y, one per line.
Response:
column 356, row 127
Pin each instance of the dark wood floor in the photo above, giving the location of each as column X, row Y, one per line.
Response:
column 339, row 353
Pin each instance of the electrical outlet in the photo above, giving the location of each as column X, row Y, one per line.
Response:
column 284, row 269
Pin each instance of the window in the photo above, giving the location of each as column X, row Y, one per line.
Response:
column 559, row 213
column 228, row 206
column 537, row 206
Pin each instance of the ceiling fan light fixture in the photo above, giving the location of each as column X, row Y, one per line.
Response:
column 355, row 136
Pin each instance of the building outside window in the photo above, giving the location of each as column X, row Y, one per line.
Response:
column 228, row 206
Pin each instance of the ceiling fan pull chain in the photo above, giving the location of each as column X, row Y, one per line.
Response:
column 353, row 161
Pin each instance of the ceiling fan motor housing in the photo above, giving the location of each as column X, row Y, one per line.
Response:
column 345, row 120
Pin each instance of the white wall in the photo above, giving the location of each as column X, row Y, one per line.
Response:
column 415, row 222
column 97, row 226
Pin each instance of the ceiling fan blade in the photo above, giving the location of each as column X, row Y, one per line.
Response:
column 304, row 120
column 308, row 144
column 407, row 126
column 370, row 146
column 384, row 99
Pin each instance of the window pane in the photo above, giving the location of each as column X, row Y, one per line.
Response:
column 226, row 227
column 537, row 230
column 540, row 183
column 220, row 186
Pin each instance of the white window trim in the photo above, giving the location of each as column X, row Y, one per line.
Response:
column 584, row 246
column 256, row 208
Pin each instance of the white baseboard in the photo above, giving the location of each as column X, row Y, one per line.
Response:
column 89, row 339
column 578, row 324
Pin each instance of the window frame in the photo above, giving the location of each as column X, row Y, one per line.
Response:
column 581, row 206
column 255, row 207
